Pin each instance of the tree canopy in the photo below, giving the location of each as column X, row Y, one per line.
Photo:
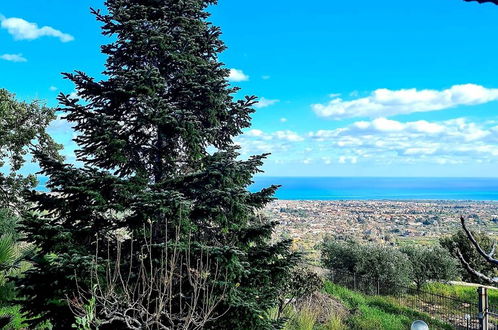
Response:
column 161, row 182
column 22, row 132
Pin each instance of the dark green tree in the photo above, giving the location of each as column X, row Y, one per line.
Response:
column 160, row 167
column 430, row 264
column 484, row 1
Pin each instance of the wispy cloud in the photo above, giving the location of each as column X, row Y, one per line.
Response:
column 237, row 75
column 21, row 29
column 381, row 141
column 456, row 140
column 13, row 58
column 385, row 102
column 264, row 102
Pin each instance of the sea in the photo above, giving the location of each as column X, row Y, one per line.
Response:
column 380, row 188
column 375, row 188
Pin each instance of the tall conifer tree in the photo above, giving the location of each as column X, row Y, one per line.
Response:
column 156, row 141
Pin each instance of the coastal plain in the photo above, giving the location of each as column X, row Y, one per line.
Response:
column 397, row 222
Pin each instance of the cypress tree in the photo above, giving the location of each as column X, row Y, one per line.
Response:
column 156, row 140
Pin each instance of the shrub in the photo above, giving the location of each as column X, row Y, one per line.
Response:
column 430, row 264
column 372, row 268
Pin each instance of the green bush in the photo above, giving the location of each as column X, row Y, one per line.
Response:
column 430, row 264
column 372, row 267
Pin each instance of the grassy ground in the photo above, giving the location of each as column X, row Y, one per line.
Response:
column 462, row 292
column 410, row 241
column 373, row 312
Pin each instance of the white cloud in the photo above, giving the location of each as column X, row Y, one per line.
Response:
column 327, row 160
column 264, row 102
column 283, row 120
column 53, row 88
column 385, row 102
column 13, row 58
column 237, row 75
column 255, row 133
column 257, row 141
column 348, row 159
column 288, row 136
column 383, row 140
column 21, row 29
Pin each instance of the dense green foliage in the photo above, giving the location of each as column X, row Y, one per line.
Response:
column 460, row 241
column 384, row 266
column 430, row 264
column 23, row 131
column 161, row 168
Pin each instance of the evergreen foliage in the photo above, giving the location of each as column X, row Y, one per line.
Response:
column 159, row 165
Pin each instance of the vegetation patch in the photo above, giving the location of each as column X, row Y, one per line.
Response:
column 375, row 312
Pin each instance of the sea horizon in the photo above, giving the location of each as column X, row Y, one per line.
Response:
column 374, row 188
column 381, row 188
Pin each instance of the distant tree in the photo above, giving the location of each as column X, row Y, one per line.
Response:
column 378, row 267
column 464, row 249
column 430, row 264
column 161, row 177
column 22, row 132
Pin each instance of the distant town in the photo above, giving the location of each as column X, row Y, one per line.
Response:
column 392, row 222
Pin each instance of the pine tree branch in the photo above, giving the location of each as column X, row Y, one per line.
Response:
column 483, row 1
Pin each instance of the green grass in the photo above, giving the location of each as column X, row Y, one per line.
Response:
column 462, row 292
column 374, row 312
column 306, row 319
column 410, row 241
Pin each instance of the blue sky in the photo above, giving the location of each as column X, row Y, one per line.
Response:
column 348, row 88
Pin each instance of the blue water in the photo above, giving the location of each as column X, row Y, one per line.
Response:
column 361, row 188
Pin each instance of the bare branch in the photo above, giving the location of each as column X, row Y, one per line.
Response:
column 172, row 287
column 489, row 257
column 472, row 270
